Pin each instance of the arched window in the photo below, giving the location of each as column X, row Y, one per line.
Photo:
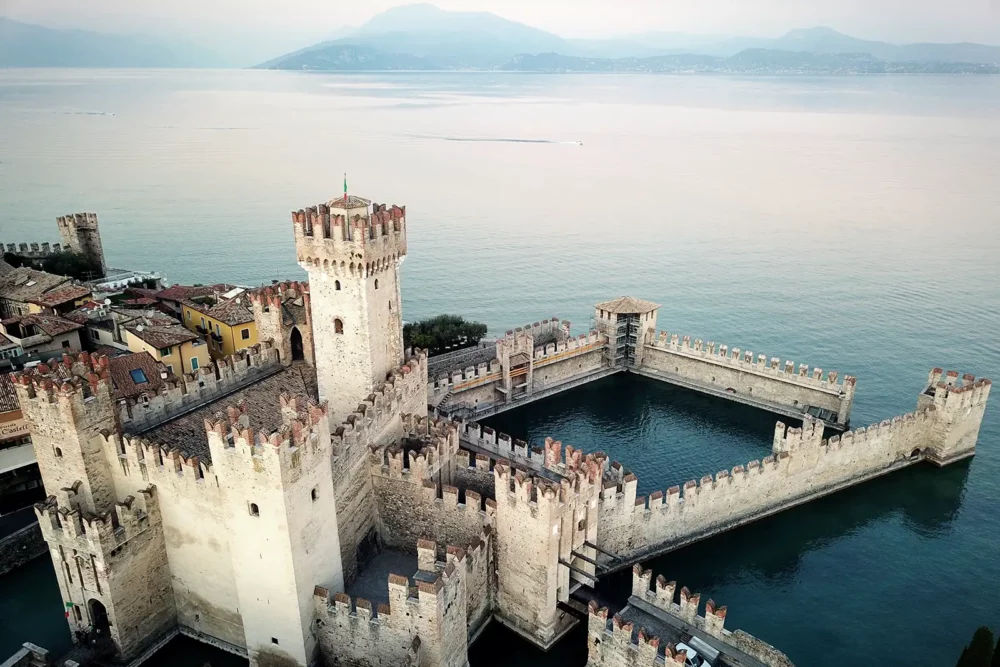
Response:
column 336, row 285
column 58, row 453
column 254, row 510
column 376, row 283
column 338, row 326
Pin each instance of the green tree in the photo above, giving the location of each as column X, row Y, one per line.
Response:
column 443, row 333
column 979, row 652
column 64, row 263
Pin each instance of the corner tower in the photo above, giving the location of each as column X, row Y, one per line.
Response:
column 81, row 234
column 352, row 251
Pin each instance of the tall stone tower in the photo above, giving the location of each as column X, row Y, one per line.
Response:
column 352, row 254
column 81, row 234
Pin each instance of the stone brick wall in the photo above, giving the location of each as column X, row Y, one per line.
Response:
column 474, row 472
column 803, row 466
column 748, row 375
column 119, row 562
column 422, row 625
column 281, row 524
column 202, row 386
column 377, row 422
column 20, row 547
column 194, row 520
column 353, row 265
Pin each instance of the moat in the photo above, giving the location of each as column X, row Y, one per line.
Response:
column 867, row 549
column 901, row 569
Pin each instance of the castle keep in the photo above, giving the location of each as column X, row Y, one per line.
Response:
column 250, row 503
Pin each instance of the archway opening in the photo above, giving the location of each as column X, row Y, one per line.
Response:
column 915, row 454
column 99, row 617
column 298, row 352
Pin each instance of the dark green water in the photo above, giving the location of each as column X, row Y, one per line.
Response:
column 845, row 222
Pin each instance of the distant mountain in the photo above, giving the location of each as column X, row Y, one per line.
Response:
column 450, row 40
column 342, row 57
column 26, row 45
column 748, row 61
column 814, row 40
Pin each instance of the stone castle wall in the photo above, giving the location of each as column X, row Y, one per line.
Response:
column 377, row 422
column 194, row 520
column 624, row 645
column 192, row 389
column 423, row 625
column 117, row 559
column 413, row 491
column 757, row 378
column 803, row 466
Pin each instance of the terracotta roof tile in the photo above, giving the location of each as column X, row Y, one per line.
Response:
column 61, row 295
column 628, row 304
column 188, row 432
column 124, row 379
column 161, row 336
column 51, row 325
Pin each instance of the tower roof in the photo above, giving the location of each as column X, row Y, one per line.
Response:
column 352, row 202
column 628, row 304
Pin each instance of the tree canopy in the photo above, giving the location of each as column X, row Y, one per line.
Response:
column 443, row 333
column 63, row 263
column 980, row 651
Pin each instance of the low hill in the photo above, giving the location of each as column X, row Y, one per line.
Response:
column 748, row 61
column 27, row 45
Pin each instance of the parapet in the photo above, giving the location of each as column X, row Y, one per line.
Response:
column 686, row 609
column 63, row 522
column 301, row 441
column 745, row 360
column 951, row 394
column 202, row 386
column 273, row 296
column 69, row 391
column 78, row 221
column 31, row 250
column 332, row 242
column 352, row 438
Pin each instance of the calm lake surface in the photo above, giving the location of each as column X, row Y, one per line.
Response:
column 852, row 223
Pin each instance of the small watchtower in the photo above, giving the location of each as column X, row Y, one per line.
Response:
column 627, row 322
column 81, row 234
column 352, row 250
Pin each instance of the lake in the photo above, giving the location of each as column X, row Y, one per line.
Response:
column 851, row 223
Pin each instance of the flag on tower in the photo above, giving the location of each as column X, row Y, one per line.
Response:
column 345, row 187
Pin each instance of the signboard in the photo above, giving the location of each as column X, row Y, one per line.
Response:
column 13, row 428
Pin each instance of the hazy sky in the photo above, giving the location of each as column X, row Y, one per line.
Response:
column 892, row 20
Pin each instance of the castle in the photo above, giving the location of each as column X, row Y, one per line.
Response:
column 245, row 503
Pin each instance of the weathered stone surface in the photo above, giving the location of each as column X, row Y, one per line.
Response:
column 20, row 547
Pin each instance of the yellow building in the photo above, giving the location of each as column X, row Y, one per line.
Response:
column 227, row 324
column 180, row 350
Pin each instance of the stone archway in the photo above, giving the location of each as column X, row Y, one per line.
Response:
column 298, row 351
column 99, row 616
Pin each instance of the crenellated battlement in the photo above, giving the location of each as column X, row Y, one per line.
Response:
column 616, row 643
column 951, row 393
column 569, row 347
column 745, row 360
column 645, row 600
column 301, row 441
column 335, row 242
column 76, row 377
column 178, row 394
column 372, row 415
column 273, row 296
column 430, row 613
column 159, row 464
column 31, row 250
column 65, row 523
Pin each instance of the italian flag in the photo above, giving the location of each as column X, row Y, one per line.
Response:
column 345, row 188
